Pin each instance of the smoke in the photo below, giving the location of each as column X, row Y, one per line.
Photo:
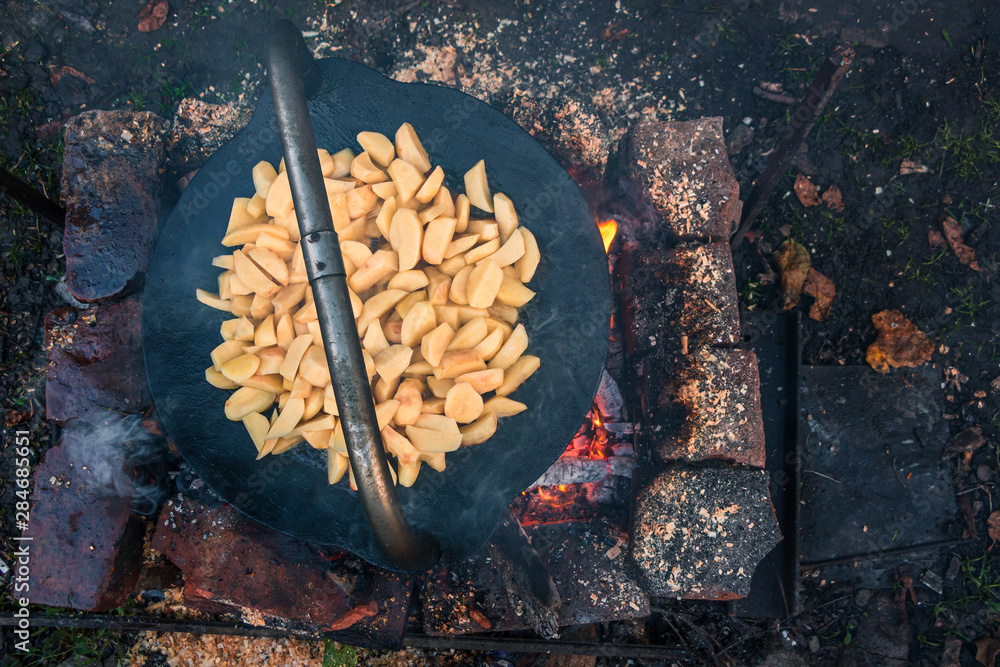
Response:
column 124, row 456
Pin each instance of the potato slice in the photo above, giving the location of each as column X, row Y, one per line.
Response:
column 450, row 267
column 257, row 207
column 290, row 364
column 385, row 411
column 515, row 346
column 357, row 253
column 503, row 210
column 264, row 335
column 313, row 367
column 363, row 169
column 241, row 305
column 263, row 175
column 300, row 388
column 459, row 362
column 463, row 403
column 361, row 201
column 437, row 423
column 305, row 314
column 482, row 252
column 383, row 391
column 374, row 340
column 288, row 418
column 270, row 383
column 252, row 276
column 504, row 312
column 513, row 293
column 283, row 248
column 460, row 244
column 420, row 321
column 213, row 300
column 439, row 387
column 241, row 368
column 279, row 197
column 410, row 401
column 239, row 216
column 342, row 163
column 409, row 148
column 438, row 286
column 399, row 446
column 282, row 445
column 477, row 188
column 270, row 360
column 413, row 298
column 257, row 426
column 484, row 283
column 434, row 343
column 314, row 403
column 502, row 406
column 386, row 190
column 430, row 188
column 318, row 439
column 377, row 306
column 480, row 430
column 443, row 197
column 419, row 369
column 226, row 352
column 382, row 264
column 260, row 307
column 511, row 251
column 407, row 178
column 249, row 234
column 384, row 218
column 405, row 234
column 391, row 362
column 330, row 401
column 489, row 346
column 336, row 466
column 428, row 440
column 470, row 335
column 378, row 146
column 223, row 261
column 448, row 315
column 217, row 379
column 272, row 265
column 409, row 281
column 437, row 238
column 483, row 381
column 518, row 372
column 246, row 400
column 528, row 262
column 338, row 209
column 458, row 291
column 486, row 228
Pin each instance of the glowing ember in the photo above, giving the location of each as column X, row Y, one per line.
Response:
column 608, row 230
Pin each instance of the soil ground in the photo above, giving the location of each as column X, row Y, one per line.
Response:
column 923, row 89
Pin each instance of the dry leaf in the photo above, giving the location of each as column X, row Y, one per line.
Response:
column 899, row 343
column 956, row 239
column 936, row 239
column 911, row 167
column 967, row 442
column 833, row 199
column 793, row 262
column 153, row 15
column 57, row 72
column 823, row 290
column 609, row 34
column 993, row 527
column 986, row 651
column 806, row 191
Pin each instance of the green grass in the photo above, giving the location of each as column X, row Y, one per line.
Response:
column 968, row 151
column 979, row 576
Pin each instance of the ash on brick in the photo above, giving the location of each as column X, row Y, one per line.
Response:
column 95, row 361
column 86, row 547
column 111, row 184
column 699, row 534
column 678, row 299
column 232, row 564
column 703, row 405
column 198, row 129
column 680, row 172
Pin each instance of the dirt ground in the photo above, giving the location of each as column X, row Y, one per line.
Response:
column 912, row 136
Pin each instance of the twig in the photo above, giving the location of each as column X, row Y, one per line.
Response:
column 822, row 475
column 774, row 97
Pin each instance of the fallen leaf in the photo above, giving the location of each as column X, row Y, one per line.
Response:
column 950, row 656
column 822, row 290
column 833, row 199
column 793, row 262
column 993, row 527
column 806, row 191
column 936, row 239
column 609, row 34
column 899, row 343
column 986, row 651
column 967, row 442
column 15, row 417
column 956, row 239
column 911, row 167
column 57, row 72
column 152, row 16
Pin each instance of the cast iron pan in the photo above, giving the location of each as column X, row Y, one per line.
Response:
column 567, row 321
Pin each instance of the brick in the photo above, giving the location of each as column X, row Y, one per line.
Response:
column 111, row 183
column 703, row 405
column 700, row 534
column 95, row 359
column 672, row 294
column 86, row 546
column 232, row 564
column 680, row 172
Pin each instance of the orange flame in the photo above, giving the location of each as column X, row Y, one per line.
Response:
column 608, row 230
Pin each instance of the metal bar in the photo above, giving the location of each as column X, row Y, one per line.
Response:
column 878, row 555
column 23, row 193
column 284, row 54
column 823, row 86
column 521, row 645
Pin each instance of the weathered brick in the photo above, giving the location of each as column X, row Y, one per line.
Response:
column 699, row 534
column 111, row 184
column 233, row 564
column 86, row 546
column 95, row 361
column 703, row 405
column 678, row 299
column 680, row 172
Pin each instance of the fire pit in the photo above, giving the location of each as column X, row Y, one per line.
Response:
column 660, row 494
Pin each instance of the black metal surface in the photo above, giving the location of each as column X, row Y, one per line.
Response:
column 774, row 338
column 567, row 321
column 823, row 86
column 23, row 193
column 283, row 51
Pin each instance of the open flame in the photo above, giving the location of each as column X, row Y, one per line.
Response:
column 608, row 230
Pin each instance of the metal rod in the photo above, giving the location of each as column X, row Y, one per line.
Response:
column 887, row 553
column 830, row 73
column 24, row 194
column 286, row 58
column 522, row 645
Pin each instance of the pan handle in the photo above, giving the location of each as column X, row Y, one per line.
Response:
column 286, row 58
